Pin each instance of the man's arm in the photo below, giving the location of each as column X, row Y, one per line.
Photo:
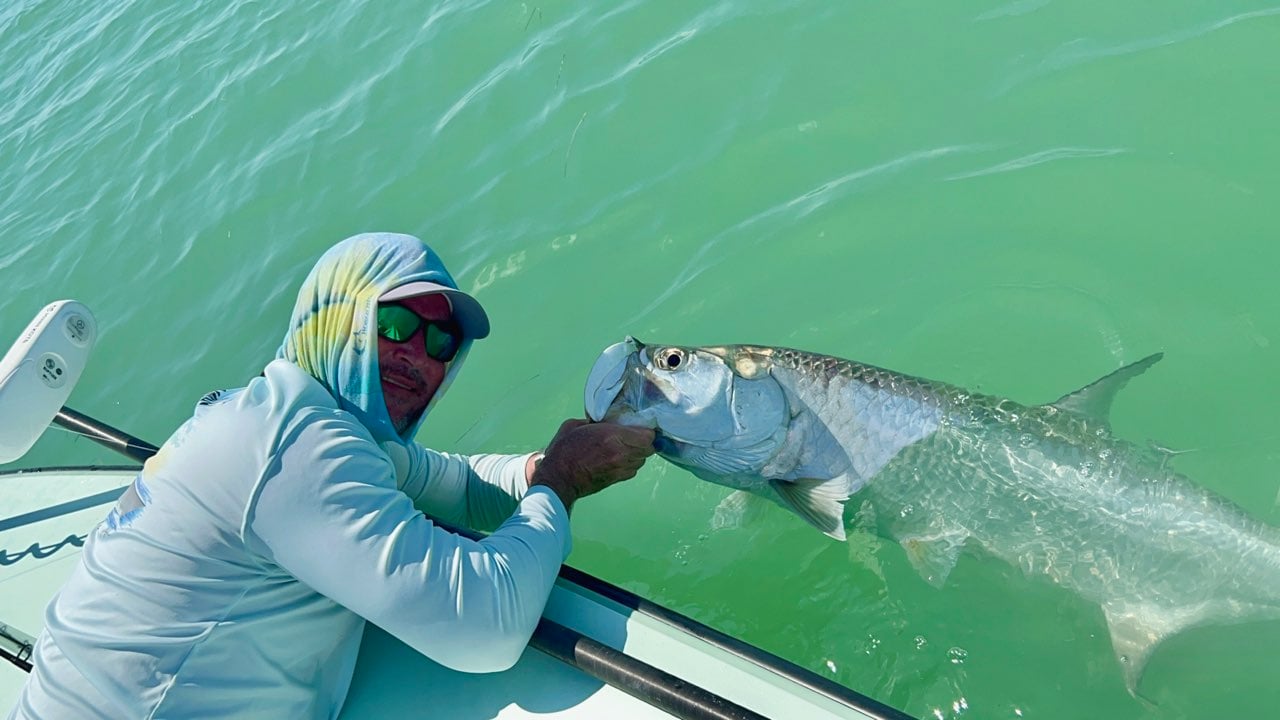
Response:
column 476, row 491
column 479, row 491
column 333, row 518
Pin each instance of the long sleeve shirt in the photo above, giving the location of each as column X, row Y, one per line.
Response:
column 235, row 575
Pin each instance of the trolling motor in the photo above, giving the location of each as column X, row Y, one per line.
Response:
column 39, row 372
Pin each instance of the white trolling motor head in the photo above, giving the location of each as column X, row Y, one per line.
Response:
column 39, row 372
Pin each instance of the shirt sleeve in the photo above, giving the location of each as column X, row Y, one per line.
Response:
column 469, row 605
column 475, row 491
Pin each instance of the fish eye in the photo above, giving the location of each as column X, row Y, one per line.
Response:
column 669, row 359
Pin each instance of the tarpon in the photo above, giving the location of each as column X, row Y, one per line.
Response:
column 1046, row 488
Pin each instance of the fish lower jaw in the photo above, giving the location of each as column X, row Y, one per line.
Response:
column 626, row 416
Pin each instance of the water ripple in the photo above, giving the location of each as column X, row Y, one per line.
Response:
column 1083, row 50
column 617, row 10
column 797, row 208
column 1013, row 9
column 520, row 59
column 14, row 256
column 702, row 22
column 824, row 193
column 1039, row 158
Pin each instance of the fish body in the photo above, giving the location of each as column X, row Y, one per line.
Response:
column 1048, row 488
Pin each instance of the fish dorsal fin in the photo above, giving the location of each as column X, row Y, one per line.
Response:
column 1094, row 400
column 820, row 502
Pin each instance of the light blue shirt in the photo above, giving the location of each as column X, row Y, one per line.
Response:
column 234, row 578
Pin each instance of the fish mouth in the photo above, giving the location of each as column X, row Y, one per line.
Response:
column 607, row 376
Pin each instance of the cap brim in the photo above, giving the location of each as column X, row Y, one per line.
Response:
column 467, row 311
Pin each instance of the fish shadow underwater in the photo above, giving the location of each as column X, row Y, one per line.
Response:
column 1047, row 489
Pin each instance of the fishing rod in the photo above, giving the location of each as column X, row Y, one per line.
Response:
column 36, row 378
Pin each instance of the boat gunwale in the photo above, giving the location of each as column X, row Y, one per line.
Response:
column 753, row 654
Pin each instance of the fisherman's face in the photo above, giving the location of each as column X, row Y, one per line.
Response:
column 409, row 376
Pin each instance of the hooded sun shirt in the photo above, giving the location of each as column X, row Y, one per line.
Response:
column 333, row 335
column 234, row 576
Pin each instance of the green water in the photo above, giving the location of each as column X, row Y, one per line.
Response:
column 1016, row 198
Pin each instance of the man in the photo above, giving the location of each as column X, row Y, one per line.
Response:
column 234, row 577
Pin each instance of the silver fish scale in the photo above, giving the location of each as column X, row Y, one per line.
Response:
column 871, row 412
column 1090, row 511
column 825, row 367
column 1049, row 491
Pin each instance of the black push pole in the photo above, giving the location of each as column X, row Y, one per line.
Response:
column 104, row 434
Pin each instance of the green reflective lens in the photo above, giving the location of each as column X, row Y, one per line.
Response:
column 441, row 340
column 397, row 323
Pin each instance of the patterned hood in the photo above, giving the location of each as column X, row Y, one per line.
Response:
column 333, row 332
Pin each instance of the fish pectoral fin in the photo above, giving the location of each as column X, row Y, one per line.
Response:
column 707, row 462
column 820, row 502
column 1094, row 400
column 934, row 556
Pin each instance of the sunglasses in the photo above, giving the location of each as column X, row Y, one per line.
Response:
column 398, row 323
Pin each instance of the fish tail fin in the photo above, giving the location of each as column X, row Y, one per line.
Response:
column 819, row 501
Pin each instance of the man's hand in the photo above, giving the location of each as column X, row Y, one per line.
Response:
column 586, row 457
